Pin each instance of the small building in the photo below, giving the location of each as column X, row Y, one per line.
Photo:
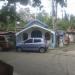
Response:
column 71, row 34
column 10, row 36
column 37, row 29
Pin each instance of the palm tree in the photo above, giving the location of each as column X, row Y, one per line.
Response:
column 62, row 3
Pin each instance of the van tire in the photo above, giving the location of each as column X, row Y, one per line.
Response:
column 42, row 50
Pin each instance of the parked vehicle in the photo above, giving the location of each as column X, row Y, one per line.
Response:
column 4, row 44
column 34, row 44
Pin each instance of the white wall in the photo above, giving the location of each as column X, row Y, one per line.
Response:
column 72, row 37
column 29, row 31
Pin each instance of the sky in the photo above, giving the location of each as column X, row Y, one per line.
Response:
column 47, row 6
column 70, row 7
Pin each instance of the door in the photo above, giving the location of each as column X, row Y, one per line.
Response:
column 28, row 45
column 37, row 44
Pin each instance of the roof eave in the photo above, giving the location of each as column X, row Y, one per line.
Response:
column 34, row 26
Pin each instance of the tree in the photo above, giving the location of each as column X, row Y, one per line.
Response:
column 55, row 3
column 24, row 2
column 44, row 17
column 66, row 23
column 25, row 14
column 8, row 15
column 62, row 3
column 63, row 24
column 72, row 21
column 7, row 18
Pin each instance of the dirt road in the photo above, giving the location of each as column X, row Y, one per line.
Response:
column 55, row 62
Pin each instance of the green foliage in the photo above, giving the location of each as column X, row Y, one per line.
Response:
column 2, row 26
column 8, row 13
column 23, row 23
column 63, row 3
column 63, row 24
column 7, row 18
column 72, row 20
column 44, row 17
column 24, row 2
column 36, row 3
column 66, row 23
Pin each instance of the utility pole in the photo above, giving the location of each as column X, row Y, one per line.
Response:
column 54, row 14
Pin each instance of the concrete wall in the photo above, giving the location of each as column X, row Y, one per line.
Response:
column 72, row 38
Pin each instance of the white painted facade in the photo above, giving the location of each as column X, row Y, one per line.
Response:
column 28, row 30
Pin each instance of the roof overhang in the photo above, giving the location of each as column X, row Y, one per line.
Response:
column 35, row 26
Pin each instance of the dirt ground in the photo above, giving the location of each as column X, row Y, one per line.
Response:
column 60, row 61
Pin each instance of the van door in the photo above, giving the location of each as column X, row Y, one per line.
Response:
column 28, row 45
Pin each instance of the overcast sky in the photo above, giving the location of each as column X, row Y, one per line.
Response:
column 47, row 6
column 70, row 7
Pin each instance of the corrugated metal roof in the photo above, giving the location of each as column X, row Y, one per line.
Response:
column 6, row 33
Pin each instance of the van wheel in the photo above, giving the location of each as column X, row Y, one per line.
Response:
column 0, row 48
column 42, row 50
column 19, row 49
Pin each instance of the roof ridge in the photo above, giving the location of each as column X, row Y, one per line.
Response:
column 36, row 21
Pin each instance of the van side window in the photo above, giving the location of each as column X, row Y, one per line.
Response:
column 37, row 40
column 29, row 41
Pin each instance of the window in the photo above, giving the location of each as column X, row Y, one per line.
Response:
column 36, row 33
column 25, row 36
column 37, row 40
column 29, row 41
column 47, row 35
